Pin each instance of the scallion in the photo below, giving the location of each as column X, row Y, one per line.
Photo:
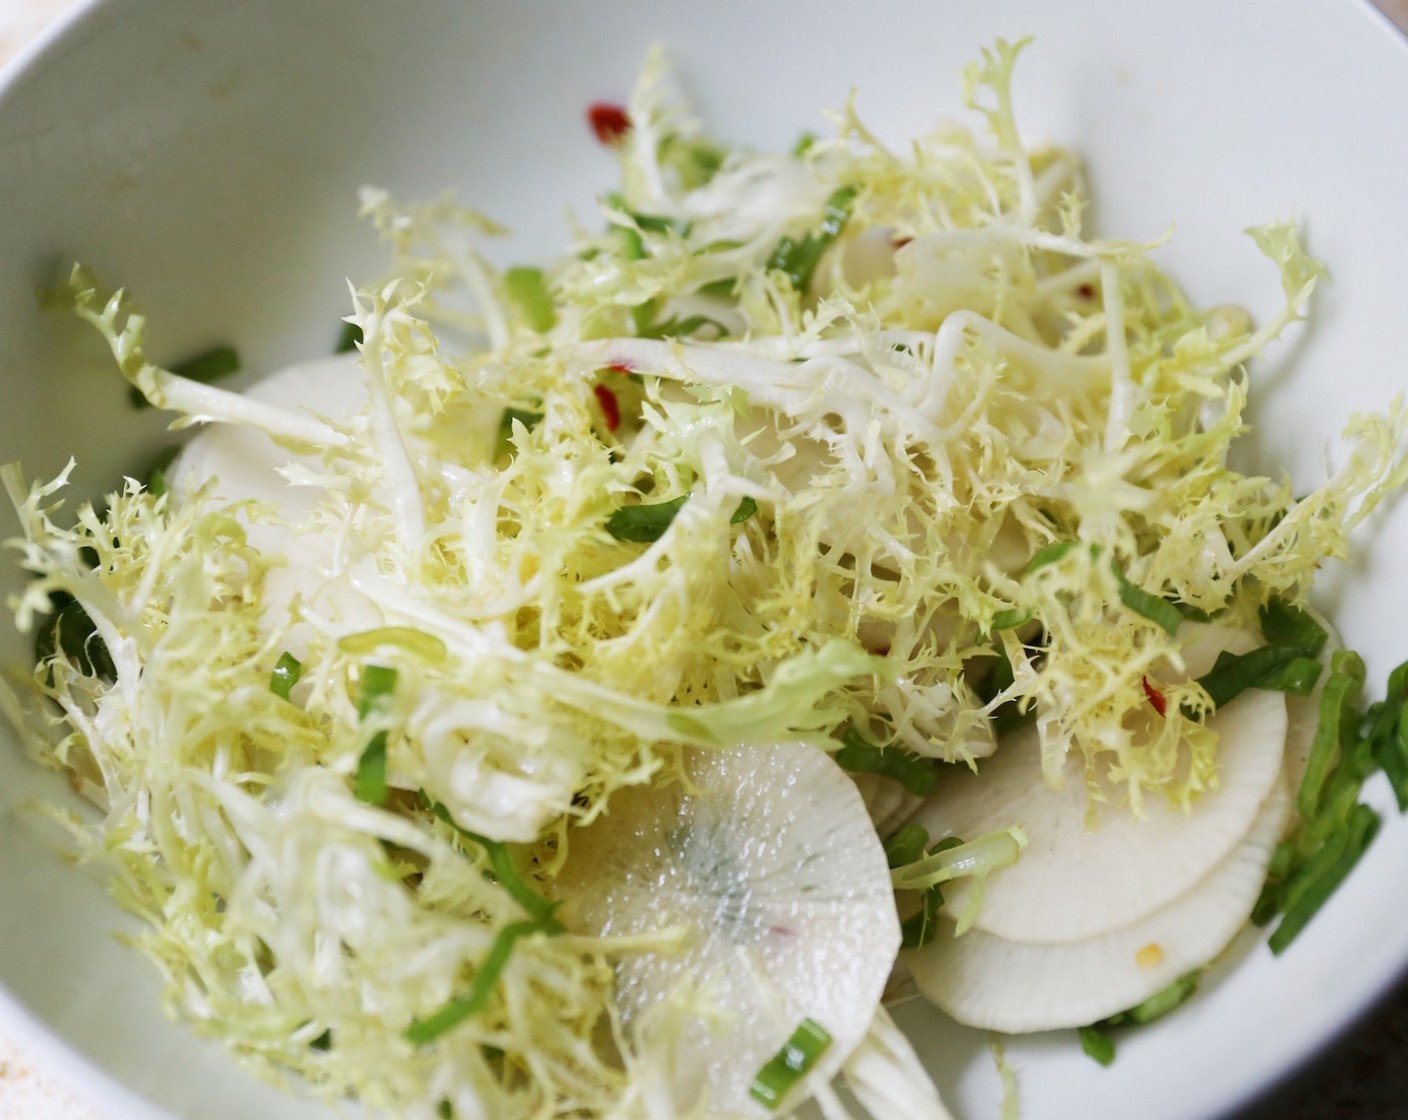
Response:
column 422, row 1031
column 916, row 774
column 504, row 440
column 348, row 338
column 70, row 632
column 378, row 685
column 645, row 522
column 746, row 509
column 285, row 675
column 798, row 259
column 540, row 909
column 1048, row 554
column 1097, row 1044
column 789, row 1065
column 1160, row 612
column 907, row 845
column 527, row 291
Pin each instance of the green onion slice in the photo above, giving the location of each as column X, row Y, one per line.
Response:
column 286, row 672
column 1281, row 665
column 527, row 290
column 1337, row 727
column 790, row 1064
column 915, row 773
column 71, row 633
column 798, row 259
column 378, row 685
column 371, row 785
column 1160, row 612
column 348, row 338
column 644, row 523
column 907, row 845
column 1308, row 889
column 422, row 1031
column 540, row 909
column 1282, row 622
column 1048, row 554
column 1097, row 1044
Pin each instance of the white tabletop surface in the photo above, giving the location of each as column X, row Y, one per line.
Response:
column 25, row 1092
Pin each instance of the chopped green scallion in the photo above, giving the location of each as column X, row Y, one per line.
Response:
column 1308, row 889
column 422, row 1031
column 371, row 785
column 1009, row 619
column 915, row 773
column 919, row 928
column 1160, row 612
column 285, row 675
column 503, row 444
column 378, row 685
column 1282, row 622
column 907, row 845
column 1049, row 554
column 348, row 339
column 789, row 1065
column 1281, row 663
column 71, row 633
column 1337, row 727
column 1097, row 1044
column 644, row 523
column 798, row 259
column 746, row 509
column 527, row 290
column 1165, row 999
column 540, row 909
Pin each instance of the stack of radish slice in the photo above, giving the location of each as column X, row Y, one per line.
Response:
column 1105, row 908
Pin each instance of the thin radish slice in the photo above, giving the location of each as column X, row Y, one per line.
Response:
column 1075, row 881
column 888, row 803
column 770, row 892
column 244, row 464
column 991, row 982
column 887, row 1077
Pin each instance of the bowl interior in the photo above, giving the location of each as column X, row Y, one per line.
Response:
column 207, row 156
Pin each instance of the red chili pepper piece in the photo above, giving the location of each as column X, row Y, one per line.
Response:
column 610, row 409
column 1086, row 291
column 1156, row 698
column 620, row 367
column 609, row 122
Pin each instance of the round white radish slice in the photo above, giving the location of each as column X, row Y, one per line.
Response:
column 986, row 981
column 888, row 803
column 1075, row 881
column 767, row 881
column 244, row 465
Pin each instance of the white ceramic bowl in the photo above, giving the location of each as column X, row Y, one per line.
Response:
column 207, row 155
